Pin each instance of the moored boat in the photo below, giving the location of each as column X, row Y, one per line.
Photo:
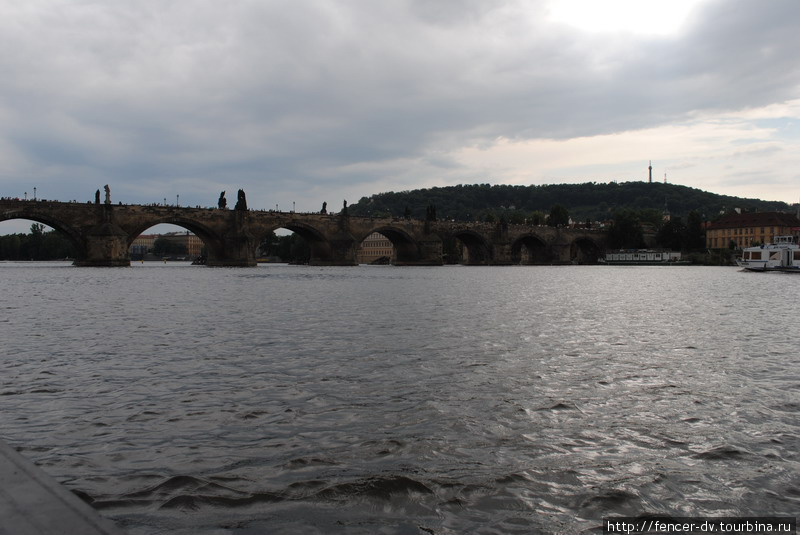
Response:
column 783, row 254
column 643, row 257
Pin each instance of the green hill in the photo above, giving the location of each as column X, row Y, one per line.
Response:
column 589, row 201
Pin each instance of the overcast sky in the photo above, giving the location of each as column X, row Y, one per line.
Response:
column 311, row 101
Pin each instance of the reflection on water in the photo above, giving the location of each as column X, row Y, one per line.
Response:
column 444, row 400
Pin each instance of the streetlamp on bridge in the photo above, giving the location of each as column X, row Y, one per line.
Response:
column 34, row 193
column 177, row 200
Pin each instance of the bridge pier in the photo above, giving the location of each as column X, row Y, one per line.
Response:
column 230, row 262
column 239, row 251
column 238, row 248
column 341, row 250
column 105, row 245
column 561, row 252
column 498, row 254
column 429, row 253
column 501, row 254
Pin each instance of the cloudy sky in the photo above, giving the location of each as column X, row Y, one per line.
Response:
column 305, row 101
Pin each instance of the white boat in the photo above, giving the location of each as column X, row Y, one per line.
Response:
column 643, row 257
column 781, row 255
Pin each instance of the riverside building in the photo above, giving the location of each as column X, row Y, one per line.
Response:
column 751, row 228
column 376, row 248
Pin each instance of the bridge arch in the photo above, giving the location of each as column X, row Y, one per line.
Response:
column 530, row 249
column 322, row 251
column 584, row 250
column 56, row 224
column 211, row 240
column 479, row 251
column 406, row 248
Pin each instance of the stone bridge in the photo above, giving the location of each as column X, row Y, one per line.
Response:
column 102, row 234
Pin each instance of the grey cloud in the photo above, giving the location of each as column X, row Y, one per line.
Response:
column 274, row 93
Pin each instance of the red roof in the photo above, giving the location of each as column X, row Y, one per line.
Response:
column 756, row 219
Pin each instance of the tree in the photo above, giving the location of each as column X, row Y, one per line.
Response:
column 10, row 247
column 56, row 246
column 38, row 245
column 625, row 232
column 651, row 216
column 165, row 247
column 269, row 245
column 537, row 218
column 559, row 216
column 695, row 235
column 33, row 247
column 291, row 248
column 299, row 250
column 672, row 235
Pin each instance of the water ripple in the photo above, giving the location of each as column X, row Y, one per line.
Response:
column 376, row 399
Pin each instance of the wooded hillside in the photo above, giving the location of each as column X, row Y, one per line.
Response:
column 589, row 201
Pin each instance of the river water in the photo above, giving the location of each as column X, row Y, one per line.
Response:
column 447, row 400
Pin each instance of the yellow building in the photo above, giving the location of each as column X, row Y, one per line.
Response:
column 143, row 244
column 752, row 228
column 191, row 242
column 375, row 247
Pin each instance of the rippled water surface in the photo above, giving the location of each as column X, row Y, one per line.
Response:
column 448, row 400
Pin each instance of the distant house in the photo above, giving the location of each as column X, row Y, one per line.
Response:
column 750, row 228
column 374, row 248
column 191, row 243
column 142, row 245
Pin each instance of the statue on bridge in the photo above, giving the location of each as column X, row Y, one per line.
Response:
column 97, row 197
column 108, row 194
column 241, row 201
column 222, row 203
column 344, row 208
column 324, row 208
